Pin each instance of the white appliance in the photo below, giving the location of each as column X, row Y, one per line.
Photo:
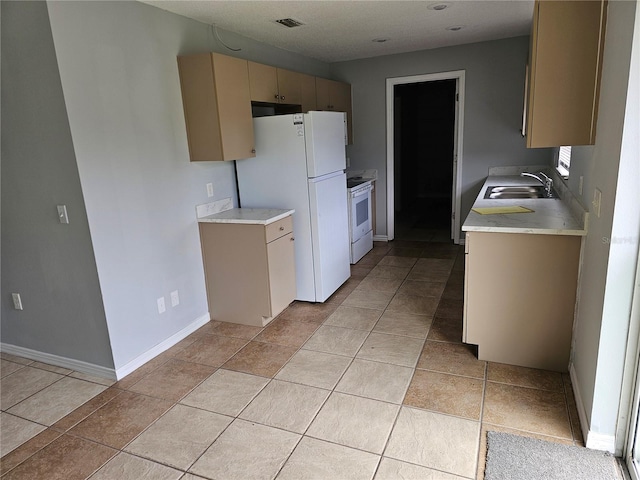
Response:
column 299, row 164
column 360, row 224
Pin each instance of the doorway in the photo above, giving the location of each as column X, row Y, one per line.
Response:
column 424, row 145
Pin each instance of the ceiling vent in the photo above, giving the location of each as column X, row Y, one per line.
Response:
column 289, row 22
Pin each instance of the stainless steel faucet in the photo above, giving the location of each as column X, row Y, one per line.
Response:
column 542, row 178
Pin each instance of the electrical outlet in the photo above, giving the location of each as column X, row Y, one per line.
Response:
column 209, row 189
column 597, row 202
column 17, row 301
column 161, row 306
column 175, row 299
column 581, row 185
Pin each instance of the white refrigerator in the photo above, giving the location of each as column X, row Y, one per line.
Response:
column 299, row 164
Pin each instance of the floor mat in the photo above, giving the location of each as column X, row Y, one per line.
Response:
column 512, row 457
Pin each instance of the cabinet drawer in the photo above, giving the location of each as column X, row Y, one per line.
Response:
column 277, row 229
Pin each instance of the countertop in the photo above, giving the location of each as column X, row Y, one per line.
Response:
column 562, row 216
column 253, row 216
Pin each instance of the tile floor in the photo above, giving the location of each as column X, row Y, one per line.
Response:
column 374, row 383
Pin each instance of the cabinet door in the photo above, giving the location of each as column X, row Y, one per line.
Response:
column 519, row 307
column 282, row 273
column 322, row 94
column 308, row 93
column 289, row 87
column 340, row 96
column 200, row 107
column 263, row 81
column 566, row 59
column 234, row 107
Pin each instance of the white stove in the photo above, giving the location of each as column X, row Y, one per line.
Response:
column 360, row 225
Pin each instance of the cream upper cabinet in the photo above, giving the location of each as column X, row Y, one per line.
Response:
column 289, row 86
column 565, row 62
column 335, row 96
column 274, row 85
column 263, row 83
column 308, row 92
column 217, row 107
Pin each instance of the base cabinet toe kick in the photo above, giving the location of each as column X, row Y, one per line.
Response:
column 519, row 297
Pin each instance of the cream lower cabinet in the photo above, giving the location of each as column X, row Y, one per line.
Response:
column 249, row 270
column 519, row 297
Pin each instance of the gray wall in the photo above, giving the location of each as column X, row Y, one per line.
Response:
column 492, row 118
column 118, row 71
column 611, row 246
column 50, row 264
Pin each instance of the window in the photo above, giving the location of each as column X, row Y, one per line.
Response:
column 564, row 161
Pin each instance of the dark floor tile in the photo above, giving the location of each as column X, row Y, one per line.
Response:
column 137, row 375
column 291, row 333
column 443, row 393
column 82, row 412
column 308, row 312
column 173, row 380
column 259, row 358
column 361, row 270
column 445, row 330
column 66, row 458
column 27, row 449
column 121, row 420
column 236, row 330
column 405, row 252
column 457, row 359
column 450, row 308
column 211, row 350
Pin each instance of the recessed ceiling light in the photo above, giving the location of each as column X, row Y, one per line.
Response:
column 438, row 6
column 455, row 28
column 379, row 40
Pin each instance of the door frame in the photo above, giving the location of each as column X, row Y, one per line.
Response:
column 629, row 412
column 456, row 188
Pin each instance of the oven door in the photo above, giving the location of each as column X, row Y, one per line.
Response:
column 360, row 212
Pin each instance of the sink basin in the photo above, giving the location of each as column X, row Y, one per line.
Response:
column 518, row 192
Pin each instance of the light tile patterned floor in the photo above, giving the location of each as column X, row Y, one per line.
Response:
column 374, row 383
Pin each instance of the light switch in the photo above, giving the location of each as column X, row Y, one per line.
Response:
column 209, row 189
column 62, row 214
column 597, row 202
column 17, row 301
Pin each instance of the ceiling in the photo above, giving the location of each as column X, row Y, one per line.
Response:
column 338, row 30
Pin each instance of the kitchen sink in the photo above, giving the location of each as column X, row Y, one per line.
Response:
column 518, row 192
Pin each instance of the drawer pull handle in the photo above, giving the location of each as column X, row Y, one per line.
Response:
column 292, row 239
column 281, row 228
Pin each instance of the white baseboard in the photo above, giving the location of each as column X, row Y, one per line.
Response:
column 380, row 238
column 593, row 440
column 104, row 372
column 58, row 361
column 161, row 347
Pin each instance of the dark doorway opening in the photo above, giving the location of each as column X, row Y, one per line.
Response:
column 424, row 135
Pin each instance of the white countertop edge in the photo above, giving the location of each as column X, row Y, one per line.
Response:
column 530, row 231
column 248, row 216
